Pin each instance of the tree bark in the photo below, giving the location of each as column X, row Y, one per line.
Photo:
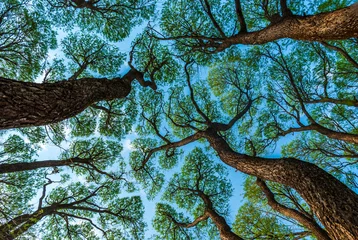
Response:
column 335, row 25
column 25, row 104
column 21, row 224
column 19, row 167
column 220, row 222
column 334, row 204
column 224, row 229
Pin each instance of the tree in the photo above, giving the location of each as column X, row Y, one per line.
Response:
column 212, row 26
column 25, row 38
column 112, row 18
column 76, row 202
column 35, row 104
column 185, row 113
column 293, row 98
column 203, row 191
column 253, row 98
column 71, row 209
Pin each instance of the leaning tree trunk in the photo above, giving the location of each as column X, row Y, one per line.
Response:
column 335, row 25
column 219, row 221
column 22, row 166
column 224, row 229
column 334, row 204
column 19, row 225
column 25, row 104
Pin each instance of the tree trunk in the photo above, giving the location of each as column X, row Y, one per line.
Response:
column 5, row 229
column 334, row 204
column 19, row 167
column 223, row 227
column 15, row 227
column 335, row 25
column 25, row 104
column 220, row 222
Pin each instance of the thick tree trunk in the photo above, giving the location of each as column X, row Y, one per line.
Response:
column 25, row 104
column 19, row 167
column 335, row 25
column 334, row 204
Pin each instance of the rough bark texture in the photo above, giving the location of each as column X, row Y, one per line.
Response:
column 335, row 25
column 220, row 222
column 26, row 104
column 21, row 224
column 334, row 204
column 223, row 227
column 19, row 167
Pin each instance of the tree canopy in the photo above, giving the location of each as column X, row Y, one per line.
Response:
column 262, row 87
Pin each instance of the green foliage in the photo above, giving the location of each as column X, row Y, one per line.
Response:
column 336, row 157
column 287, row 84
column 15, row 149
column 186, row 18
column 113, row 18
column 25, row 38
column 199, row 172
column 76, row 204
column 199, row 176
column 165, row 226
column 148, row 55
column 253, row 223
column 150, row 177
column 92, row 53
column 256, row 220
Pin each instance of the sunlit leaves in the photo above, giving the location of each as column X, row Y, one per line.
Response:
column 91, row 53
column 15, row 149
column 25, row 38
column 255, row 219
column 254, row 223
column 154, row 59
column 200, row 179
column 146, row 173
column 166, row 227
column 79, row 211
column 112, row 18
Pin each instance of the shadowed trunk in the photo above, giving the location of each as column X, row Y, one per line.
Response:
column 19, row 167
column 20, row 224
column 334, row 204
column 335, row 25
column 17, row 226
column 223, row 227
column 25, row 104
column 219, row 221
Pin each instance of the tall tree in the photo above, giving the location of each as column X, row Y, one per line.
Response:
column 275, row 211
column 65, row 206
column 71, row 203
column 34, row 104
column 202, row 189
column 187, row 113
column 212, row 26
column 253, row 98
column 292, row 89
